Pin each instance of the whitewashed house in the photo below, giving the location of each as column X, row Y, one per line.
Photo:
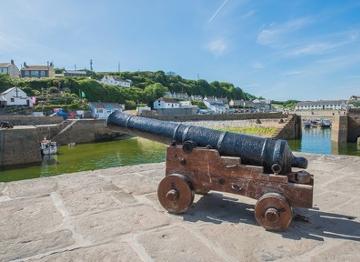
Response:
column 15, row 97
column 322, row 105
column 165, row 102
column 217, row 106
column 112, row 81
column 103, row 110
column 175, row 95
column 10, row 69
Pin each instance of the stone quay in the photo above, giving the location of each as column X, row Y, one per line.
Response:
column 114, row 215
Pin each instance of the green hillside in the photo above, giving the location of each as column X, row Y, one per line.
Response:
column 147, row 86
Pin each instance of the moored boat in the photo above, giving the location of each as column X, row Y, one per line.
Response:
column 325, row 123
column 48, row 147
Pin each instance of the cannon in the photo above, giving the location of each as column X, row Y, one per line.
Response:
column 201, row 159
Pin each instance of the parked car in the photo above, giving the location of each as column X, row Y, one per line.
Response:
column 6, row 124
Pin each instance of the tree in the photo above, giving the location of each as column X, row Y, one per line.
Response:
column 153, row 92
column 5, row 82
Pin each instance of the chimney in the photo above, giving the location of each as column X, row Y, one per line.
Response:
column 47, row 63
column 12, row 62
column 51, row 64
column 25, row 65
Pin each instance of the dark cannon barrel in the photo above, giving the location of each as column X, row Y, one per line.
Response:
column 273, row 154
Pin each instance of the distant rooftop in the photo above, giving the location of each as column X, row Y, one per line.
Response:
column 322, row 102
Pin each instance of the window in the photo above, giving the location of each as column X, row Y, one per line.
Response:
column 12, row 99
column 34, row 73
column 42, row 73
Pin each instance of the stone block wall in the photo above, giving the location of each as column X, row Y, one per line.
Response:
column 86, row 131
column 339, row 129
column 353, row 125
column 218, row 117
column 19, row 146
column 291, row 129
column 24, row 120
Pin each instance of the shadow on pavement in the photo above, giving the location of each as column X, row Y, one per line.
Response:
column 307, row 223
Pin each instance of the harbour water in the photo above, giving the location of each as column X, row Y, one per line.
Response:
column 138, row 150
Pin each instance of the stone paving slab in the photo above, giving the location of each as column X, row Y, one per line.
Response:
column 114, row 215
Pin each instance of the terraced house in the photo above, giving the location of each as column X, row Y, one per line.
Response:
column 9, row 69
column 38, row 71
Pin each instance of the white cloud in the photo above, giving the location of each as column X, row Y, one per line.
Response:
column 273, row 33
column 293, row 73
column 217, row 47
column 248, row 14
column 330, row 43
column 257, row 65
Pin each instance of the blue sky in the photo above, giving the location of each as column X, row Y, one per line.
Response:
column 277, row 49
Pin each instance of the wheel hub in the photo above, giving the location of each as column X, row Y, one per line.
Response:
column 172, row 195
column 272, row 215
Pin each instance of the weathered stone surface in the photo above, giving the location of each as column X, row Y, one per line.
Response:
column 113, row 252
column 349, row 252
column 259, row 244
column 38, row 243
column 176, row 244
column 30, row 226
column 350, row 186
column 131, row 169
column 114, row 215
column 97, row 196
column 109, row 224
column 2, row 186
column 32, row 187
column 136, row 184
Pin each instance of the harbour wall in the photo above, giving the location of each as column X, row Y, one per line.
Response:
column 24, row 120
column 21, row 144
column 219, row 117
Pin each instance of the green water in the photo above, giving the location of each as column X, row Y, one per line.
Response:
column 92, row 156
column 137, row 151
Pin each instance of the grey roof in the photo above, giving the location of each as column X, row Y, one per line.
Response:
column 5, row 64
column 106, row 105
column 79, row 72
column 9, row 90
column 322, row 102
column 36, row 67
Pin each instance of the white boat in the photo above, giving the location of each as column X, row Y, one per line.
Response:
column 48, row 147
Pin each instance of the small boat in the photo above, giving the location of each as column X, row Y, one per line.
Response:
column 307, row 124
column 48, row 147
column 325, row 123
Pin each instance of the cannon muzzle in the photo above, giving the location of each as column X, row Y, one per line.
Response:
column 273, row 154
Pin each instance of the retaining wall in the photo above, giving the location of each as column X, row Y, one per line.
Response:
column 291, row 128
column 24, row 120
column 218, row 117
column 19, row 146
column 353, row 125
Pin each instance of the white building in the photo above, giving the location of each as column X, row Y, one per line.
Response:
column 196, row 97
column 164, row 102
column 15, row 97
column 322, row 105
column 103, row 110
column 110, row 80
column 217, row 106
column 10, row 69
column 175, row 95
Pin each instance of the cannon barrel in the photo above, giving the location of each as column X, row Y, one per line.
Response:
column 273, row 154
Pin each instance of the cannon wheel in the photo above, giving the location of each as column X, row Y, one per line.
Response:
column 175, row 193
column 273, row 212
